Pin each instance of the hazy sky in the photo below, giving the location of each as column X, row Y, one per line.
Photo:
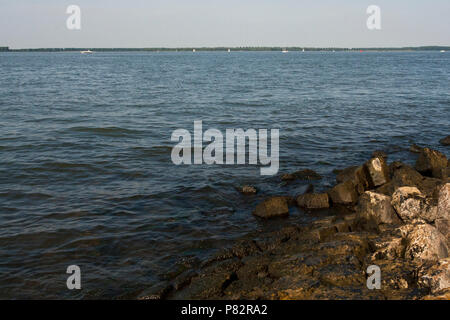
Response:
column 184, row 23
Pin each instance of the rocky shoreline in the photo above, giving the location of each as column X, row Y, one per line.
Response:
column 394, row 216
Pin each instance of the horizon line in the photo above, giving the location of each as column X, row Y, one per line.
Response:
column 215, row 48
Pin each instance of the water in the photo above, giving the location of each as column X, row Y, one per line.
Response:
column 86, row 176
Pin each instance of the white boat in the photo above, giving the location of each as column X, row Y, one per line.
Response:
column 193, row 50
column 229, row 50
column 442, row 51
column 285, row 51
column 303, row 50
column 86, row 52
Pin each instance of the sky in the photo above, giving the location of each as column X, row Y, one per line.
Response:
column 229, row 23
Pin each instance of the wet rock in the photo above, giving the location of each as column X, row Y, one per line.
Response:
column 305, row 174
column 410, row 204
column 272, row 207
column 378, row 171
column 313, row 201
column 435, row 277
column 357, row 175
column 377, row 207
column 445, row 141
column 414, row 148
column 379, row 154
column 248, row 190
column 425, row 242
column 431, row 163
column 344, row 193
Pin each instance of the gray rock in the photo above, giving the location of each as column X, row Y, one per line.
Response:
column 431, row 162
column 344, row 193
column 272, row 207
column 377, row 207
column 378, row 171
column 313, row 201
column 425, row 242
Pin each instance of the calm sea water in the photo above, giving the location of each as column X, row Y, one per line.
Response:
column 86, row 176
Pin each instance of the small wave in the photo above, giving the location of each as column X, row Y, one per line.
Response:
column 105, row 131
column 15, row 194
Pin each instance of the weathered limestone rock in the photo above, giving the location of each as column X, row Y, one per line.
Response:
column 313, row 201
column 344, row 193
column 247, row 190
column 435, row 277
column 443, row 208
column 410, row 204
column 443, row 225
column 272, row 207
column 378, row 171
column 425, row 242
column 377, row 207
column 445, row 141
column 389, row 250
column 431, row 162
column 357, row 175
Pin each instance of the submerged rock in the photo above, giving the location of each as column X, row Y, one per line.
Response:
column 425, row 242
column 313, row 201
column 247, row 190
column 344, row 193
column 272, row 207
column 445, row 141
column 305, row 174
column 414, row 148
column 377, row 207
column 431, row 162
column 378, row 171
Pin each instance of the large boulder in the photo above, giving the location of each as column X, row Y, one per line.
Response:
column 411, row 204
column 445, row 141
column 272, row 207
column 344, row 193
column 377, row 207
column 377, row 171
column 435, row 277
column 425, row 242
column 357, row 175
column 431, row 162
column 313, row 201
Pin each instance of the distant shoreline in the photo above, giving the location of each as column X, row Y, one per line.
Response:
column 393, row 49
